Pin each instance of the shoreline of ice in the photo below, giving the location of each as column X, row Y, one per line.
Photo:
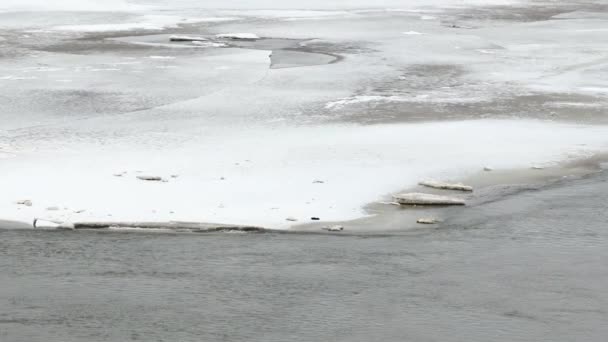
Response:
column 240, row 177
column 382, row 216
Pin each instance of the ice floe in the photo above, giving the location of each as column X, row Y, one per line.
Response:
column 427, row 220
column 187, row 39
column 446, row 186
column 417, row 198
column 238, row 36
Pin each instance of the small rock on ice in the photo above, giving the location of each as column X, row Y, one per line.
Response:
column 427, row 220
column 446, row 186
column 335, row 228
column 416, row 198
column 238, row 36
column 150, row 178
column 487, row 168
column 292, row 219
column 26, row 203
column 317, row 181
column 187, row 39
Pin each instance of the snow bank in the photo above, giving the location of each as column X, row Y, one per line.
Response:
column 261, row 175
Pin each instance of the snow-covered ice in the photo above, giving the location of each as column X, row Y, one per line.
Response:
column 239, row 175
column 144, row 22
column 353, row 96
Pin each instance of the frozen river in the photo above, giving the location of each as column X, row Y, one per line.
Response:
column 334, row 108
column 330, row 108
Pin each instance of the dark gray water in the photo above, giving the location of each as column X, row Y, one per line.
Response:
column 530, row 267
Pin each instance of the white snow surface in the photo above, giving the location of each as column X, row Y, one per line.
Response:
column 144, row 22
column 66, row 5
column 272, row 7
column 261, row 176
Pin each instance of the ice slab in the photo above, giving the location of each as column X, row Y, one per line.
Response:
column 446, row 186
column 416, row 198
column 239, row 36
